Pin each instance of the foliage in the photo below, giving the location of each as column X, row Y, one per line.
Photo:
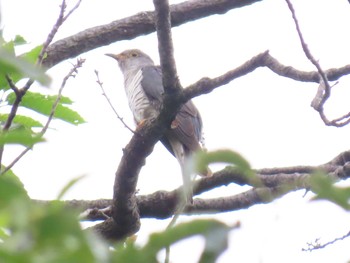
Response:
column 203, row 159
column 19, row 67
column 34, row 232
column 214, row 233
column 324, row 188
column 43, row 104
column 16, row 68
column 19, row 136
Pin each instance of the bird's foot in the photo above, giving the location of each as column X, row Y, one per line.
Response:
column 141, row 124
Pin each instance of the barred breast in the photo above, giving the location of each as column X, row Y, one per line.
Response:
column 139, row 103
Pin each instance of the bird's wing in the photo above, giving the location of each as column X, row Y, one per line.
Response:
column 187, row 126
column 152, row 83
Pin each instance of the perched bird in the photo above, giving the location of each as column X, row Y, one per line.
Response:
column 144, row 90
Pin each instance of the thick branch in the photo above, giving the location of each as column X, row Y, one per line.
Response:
column 165, row 47
column 206, row 85
column 125, row 210
column 276, row 183
column 134, row 26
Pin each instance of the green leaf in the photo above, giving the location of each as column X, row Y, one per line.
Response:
column 68, row 115
column 22, row 121
column 209, row 229
column 59, row 238
column 32, row 55
column 11, row 188
column 10, row 174
column 224, row 156
column 18, row 68
column 43, row 105
column 184, row 230
column 203, row 159
column 69, row 186
column 215, row 244
column 19, row 40
column 8, row 46
column 324, row 188
column 19, row 136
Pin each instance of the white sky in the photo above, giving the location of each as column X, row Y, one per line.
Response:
column 265, row 117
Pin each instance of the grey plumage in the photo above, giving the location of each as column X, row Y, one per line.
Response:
column 144, row 90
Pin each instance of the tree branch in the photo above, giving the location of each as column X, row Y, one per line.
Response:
column 276, row 183
column 20, row 92
column 165, row 46
column 71, row 73
column 324, row 88
column 317, row 245
column 125, row 214
column 125, row 211
column 307, row 52
column 100, row 83
column 207, row 85
column 134, row 26
column 127, row 208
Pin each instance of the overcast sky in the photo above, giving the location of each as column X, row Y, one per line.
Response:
column 267, row 118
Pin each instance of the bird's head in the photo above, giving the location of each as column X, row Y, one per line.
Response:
column 132, row 59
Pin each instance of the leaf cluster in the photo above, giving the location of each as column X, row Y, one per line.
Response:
column 13, row 69
column 34, row 232
column 325, row 189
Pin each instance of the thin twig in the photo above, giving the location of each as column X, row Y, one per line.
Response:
column 15, row 105
column 60, row 20
column 324, row 90
column 12, row 85
column 100, row 83
column 52, row 33
column 71, row 73
column 47, row 42
column 12, row 113
column 339, row 122
column 317, row 245
column 308, row 54
column 72, row 10
column 21, row 92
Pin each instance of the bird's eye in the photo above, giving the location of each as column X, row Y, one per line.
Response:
column 134, row 54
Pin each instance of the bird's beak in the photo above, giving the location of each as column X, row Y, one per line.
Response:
column 115, row 56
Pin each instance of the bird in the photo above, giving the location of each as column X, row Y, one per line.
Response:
column 145, row 93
